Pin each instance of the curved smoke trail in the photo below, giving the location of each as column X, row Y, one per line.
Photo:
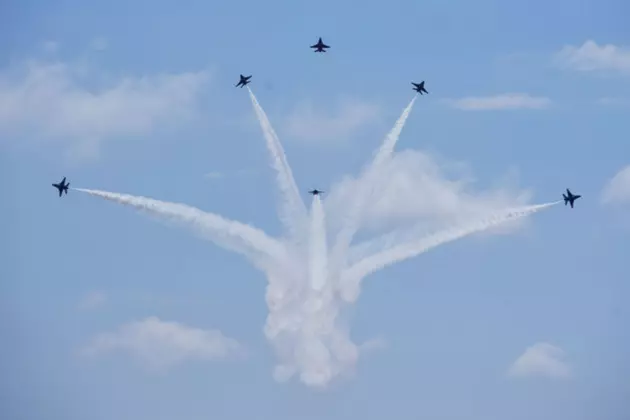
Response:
column 351, row 278
column 292, row 211
column 251, row 242
column 364, row 188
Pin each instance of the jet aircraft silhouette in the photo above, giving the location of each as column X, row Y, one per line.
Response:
column 244, row 80
column 570, row 198
column 419, row 87
column 315, row 192
column 62, row 186
column 320, row 46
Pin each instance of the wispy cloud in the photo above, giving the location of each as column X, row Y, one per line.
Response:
column 505, row 101
column 541, row 359
column 312, row 125
column 592, row 57
column 161, row 345
column 617, row 189
column 93, row 300
column 57, row 102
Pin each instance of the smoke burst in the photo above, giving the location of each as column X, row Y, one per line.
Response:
column 309, row 279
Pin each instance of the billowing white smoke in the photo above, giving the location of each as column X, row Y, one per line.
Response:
column 318, row 261
column 308, row 280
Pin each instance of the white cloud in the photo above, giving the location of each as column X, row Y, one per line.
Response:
column 617, row 190
column 55, row 102
column 308, row 124
column 505, row 101
column 161, row 344
column 592, row 57
column 541, row 359
column 93, row 300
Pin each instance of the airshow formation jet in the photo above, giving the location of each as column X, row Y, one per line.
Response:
column 570, row 198
column 320, row 46
column 244, row 80
column 419, row 87
column 62, row 186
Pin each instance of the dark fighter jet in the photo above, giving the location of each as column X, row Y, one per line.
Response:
column 244, row 80
column 62, row 186
column 320, row 46
column 419, row 87
column 570, row 198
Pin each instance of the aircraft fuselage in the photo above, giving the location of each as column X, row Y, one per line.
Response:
column 62, row 186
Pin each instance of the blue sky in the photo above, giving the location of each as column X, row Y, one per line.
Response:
column 138, row 97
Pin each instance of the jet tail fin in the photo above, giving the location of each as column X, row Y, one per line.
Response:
column 566, row 199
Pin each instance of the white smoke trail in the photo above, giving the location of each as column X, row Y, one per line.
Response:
column 387, row 148
column 293, row 211
column 351, row 278
column 364, row 189
column 249, row 241
column 318, row 263
column 303, row 323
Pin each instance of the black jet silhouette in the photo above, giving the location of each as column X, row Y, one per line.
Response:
column 320, row 46
column 315, row 192
column 419, row 87
column 570, row 198
column 62, row 186
column 244, row 80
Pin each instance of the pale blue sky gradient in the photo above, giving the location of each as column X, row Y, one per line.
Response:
column 454, row 320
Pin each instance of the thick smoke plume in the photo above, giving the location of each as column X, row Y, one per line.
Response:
column 309, row 279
